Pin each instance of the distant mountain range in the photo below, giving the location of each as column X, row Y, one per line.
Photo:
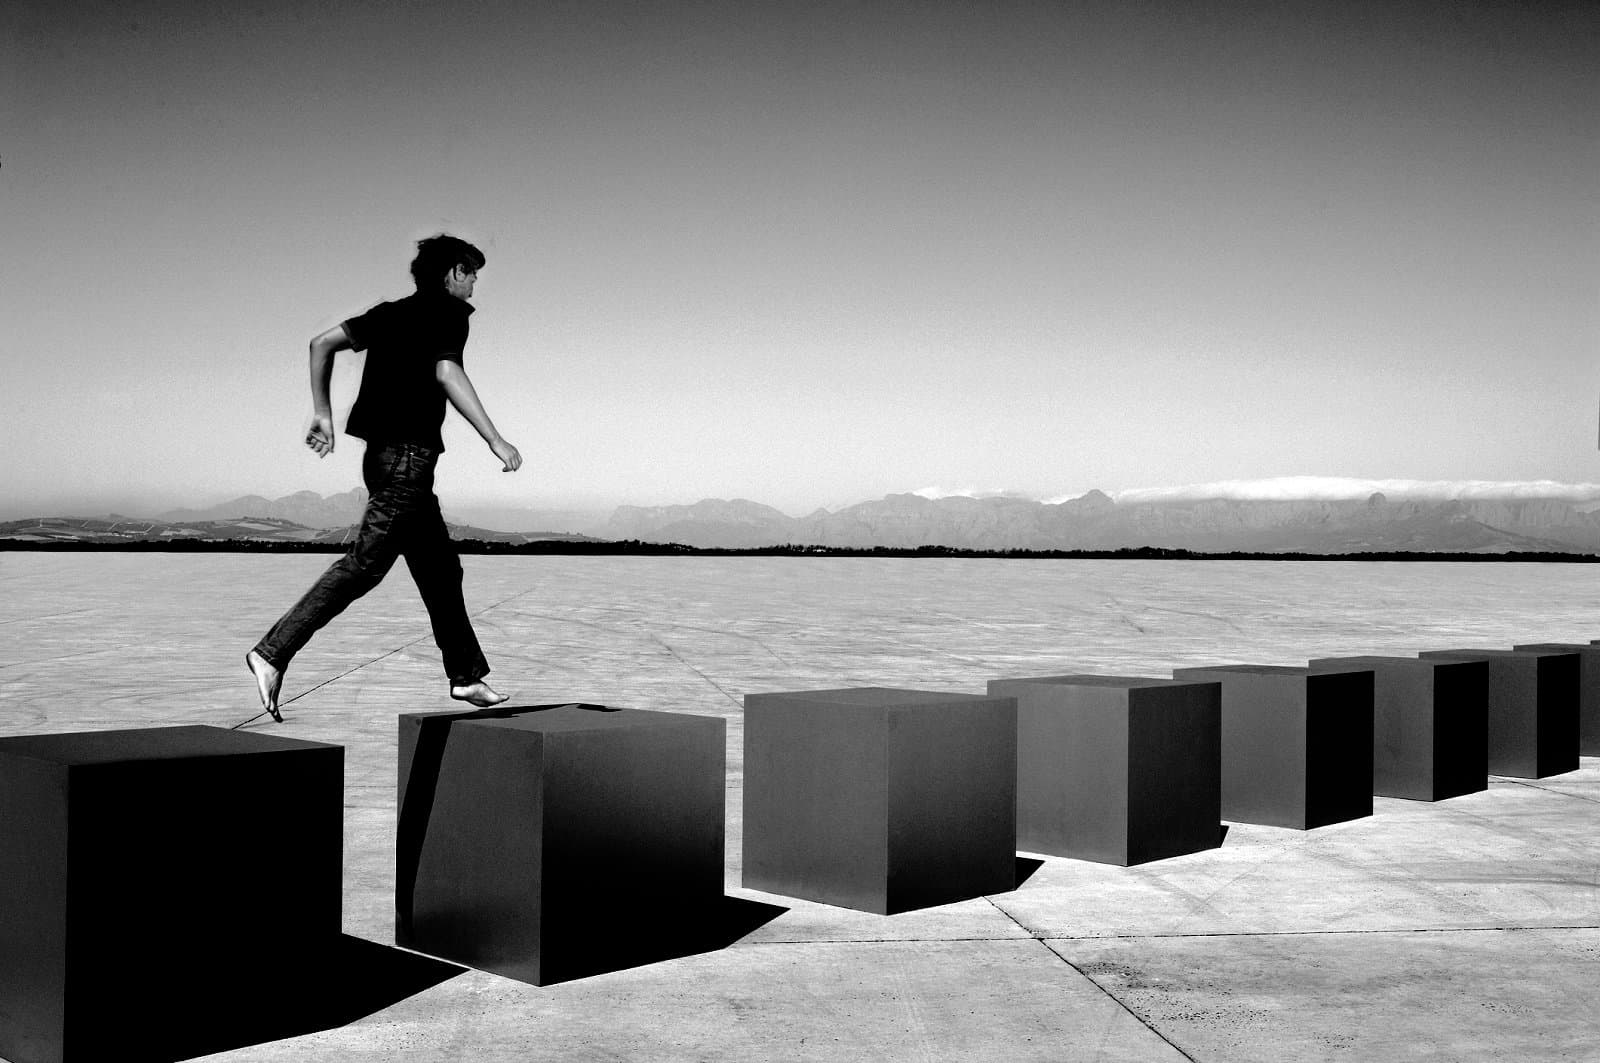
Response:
column 115, row 530
column 1095, row 522
column 1092, row 522
column 342, row 510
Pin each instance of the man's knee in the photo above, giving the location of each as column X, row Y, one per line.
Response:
column 364, row 567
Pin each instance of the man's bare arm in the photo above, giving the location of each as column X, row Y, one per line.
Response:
column 319, row 437
column 464, row 397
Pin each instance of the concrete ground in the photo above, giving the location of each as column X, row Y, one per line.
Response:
column 1463, row 930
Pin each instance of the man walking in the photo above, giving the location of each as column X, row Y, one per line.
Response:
column 414, row 363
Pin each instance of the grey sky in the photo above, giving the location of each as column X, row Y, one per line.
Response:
column 810, row 253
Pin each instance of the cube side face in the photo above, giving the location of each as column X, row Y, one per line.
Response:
column 1559, row 685
column 1460, row 728
column 1174, row 771
column 1339, row 747
column 1072, row 769
column 1263, row 745
column 626, row 810
column 469, row 853
column 160, row 854
column 1589, row 703
column 952, row 802
column 816, row 801
column 33, row 909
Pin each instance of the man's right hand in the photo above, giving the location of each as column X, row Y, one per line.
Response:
column 319, row 437
column 508, row 454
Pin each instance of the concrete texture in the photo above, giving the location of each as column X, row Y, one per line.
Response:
column 1468, row 929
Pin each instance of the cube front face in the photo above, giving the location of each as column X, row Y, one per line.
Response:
column 952, row 773
column 1430, row 724
column 1532, row 712
column 1263, row 743
column 1072, row 768
column 879, row 799
column 629, row 814
column 469, row 845
column 122, row 899
column 33, row 911
column 1118, row 770
column 524, row 839
column 816, row 801
column 1296, row 745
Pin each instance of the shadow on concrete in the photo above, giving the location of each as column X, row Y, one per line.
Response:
column 349, row 980
column 1026, row 866
column 1222, row 835
column 643, row 937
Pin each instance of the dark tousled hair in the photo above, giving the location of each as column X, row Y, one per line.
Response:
column 438, row 255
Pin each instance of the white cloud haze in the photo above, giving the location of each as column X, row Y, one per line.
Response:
column 1337, row 488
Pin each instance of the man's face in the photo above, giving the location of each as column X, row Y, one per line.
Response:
column 459, row 281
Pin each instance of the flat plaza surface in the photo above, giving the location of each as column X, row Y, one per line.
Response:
column 1463, row 930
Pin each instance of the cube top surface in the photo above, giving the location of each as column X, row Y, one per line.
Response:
column 1557, row 647
column 1494, row 653
column 1248, row 669
column 1373, row 662
column 1125, row 682
column 1366, row 658
column 149, row 743
column 877, row 697
column 566, row 719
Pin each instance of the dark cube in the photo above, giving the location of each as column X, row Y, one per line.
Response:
column 530, row 839
column 1296, row 745
column 1117, row 769
column 880, row 799
column 1430, row 736
column 1533, row 709
column 1588, row 689
column 149, row 876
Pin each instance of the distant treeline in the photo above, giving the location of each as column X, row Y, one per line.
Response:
column 636, row 547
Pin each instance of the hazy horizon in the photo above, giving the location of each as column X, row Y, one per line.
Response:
column 809, row 254
column 1271, row 489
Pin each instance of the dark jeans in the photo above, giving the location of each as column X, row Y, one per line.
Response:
column 402, row 518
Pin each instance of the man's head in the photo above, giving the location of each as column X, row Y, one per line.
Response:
column 446, row 264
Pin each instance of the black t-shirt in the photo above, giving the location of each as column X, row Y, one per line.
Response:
column 400, row 399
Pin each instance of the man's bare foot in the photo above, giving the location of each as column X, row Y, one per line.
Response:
column 480, row 694
column 268, row 680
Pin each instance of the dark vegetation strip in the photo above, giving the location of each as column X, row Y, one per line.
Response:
column 639, row 548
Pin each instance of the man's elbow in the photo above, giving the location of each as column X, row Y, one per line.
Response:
column 325, row 344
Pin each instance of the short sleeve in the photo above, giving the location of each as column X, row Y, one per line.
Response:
column 452, row 339
column 363, row 328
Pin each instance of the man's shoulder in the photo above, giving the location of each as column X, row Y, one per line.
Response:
column 435, row 303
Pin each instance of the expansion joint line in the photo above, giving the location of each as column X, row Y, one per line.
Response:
column 1091, row 980
column 375, row 660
